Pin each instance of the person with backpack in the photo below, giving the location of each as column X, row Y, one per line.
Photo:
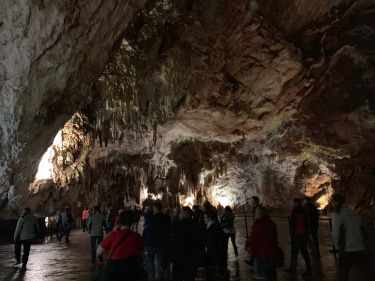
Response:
column 349, row 237
column 95, row 226
column 299, row 233
column 26, row 228
column 67, row 222
column 58, row 224
column 313, row 215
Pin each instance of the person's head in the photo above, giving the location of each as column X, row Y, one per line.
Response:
column 228, row 209
column 58, row 212
column 254, row 200
column 126, row 218
column 176, row 211
column 96, row 209
column 158, row 208
column 337, row 200
column 195, row 208
column 26, row 211
column 207, row 206
column 120, row 211
column 185, row 213
column 110, row 210
column 85, row 207
column 67, row 209
column 135, row 208
column 306, row 200
column 167, row 211
column 296, row 202
column 372, row 201
column 147, row 209
column 208, row 216
column 261, row 212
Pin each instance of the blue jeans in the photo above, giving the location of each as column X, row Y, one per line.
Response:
column 267, row 269
column 93, row 246
column 151, row 253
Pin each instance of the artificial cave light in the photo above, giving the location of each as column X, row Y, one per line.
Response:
column 45, row 168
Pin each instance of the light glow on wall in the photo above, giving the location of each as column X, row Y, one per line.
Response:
column 45, row 169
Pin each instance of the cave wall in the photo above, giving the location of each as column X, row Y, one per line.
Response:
column 217, row 100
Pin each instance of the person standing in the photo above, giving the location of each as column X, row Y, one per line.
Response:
column 299, row 232
column 67, row 221
column 313, row 215
column 95, row 226
column 348, row 238
column 84, row 221
column 109, row 220
column 183, row 256
column 26, row 228
column 146, row 221
column 136, row 217
column 262, row 243
column 58, row 224
column 158, row 233
column 227, row 224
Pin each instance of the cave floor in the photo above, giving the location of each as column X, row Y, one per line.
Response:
column 59, row 261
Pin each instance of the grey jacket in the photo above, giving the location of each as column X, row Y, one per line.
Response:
column 347, row 230
column 96, row 223
column 25, row 225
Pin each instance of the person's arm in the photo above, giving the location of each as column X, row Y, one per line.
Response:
column 18, row 228
column 100, row 250
column 336, row 223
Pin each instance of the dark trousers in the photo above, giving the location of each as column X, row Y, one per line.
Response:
column 84, row 225
column 348, row 259
column 151, row 253
column 26, row 250
column 93, row 246
column 183, row 271
column 314, row 238
column 66, row 232
column 299, row 243
column 232, row 237
column 267, row 269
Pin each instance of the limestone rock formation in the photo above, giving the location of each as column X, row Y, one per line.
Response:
column 203, row 100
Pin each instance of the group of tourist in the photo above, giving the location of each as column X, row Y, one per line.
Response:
column 194, row 238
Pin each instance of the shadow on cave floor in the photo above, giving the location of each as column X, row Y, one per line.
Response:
column 59, row 261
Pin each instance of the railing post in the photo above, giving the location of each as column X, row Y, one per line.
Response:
column 247, row 233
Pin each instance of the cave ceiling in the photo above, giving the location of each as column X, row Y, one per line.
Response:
column 188, row 101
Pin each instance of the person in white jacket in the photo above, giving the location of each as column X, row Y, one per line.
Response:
column 27, row 227
column 348, row 235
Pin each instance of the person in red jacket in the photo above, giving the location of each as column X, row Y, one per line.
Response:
column 262, row 243
column 84, row 222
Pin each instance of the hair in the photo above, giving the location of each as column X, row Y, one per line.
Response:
column 66, row 208
column 338, row 198
column 255, row 198
column 187, row 210
column 211, row 214
column 307, row 198
column 262, row 211
column 228, row 209
column 158, row 207
column 195, row 207
column 27, row 210
column 167, row 211
column 126, row 218
column 297, row 201
column 96, row 208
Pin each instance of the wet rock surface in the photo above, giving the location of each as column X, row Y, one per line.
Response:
column 59, row 261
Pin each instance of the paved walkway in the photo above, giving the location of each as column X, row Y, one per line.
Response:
column 59, row 261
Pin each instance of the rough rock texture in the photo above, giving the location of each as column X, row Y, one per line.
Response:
column 222, row 100
column 52, row 52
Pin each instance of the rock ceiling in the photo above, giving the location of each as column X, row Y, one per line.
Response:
column 217, row 100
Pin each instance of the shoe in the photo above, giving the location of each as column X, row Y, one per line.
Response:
column 59, row 238
column 248, row 263
column 18, row 262
column 290, row 270
column 307, row 275
column 68, row 241
column 23, row 266
column 235, row 259
column 256, row 276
